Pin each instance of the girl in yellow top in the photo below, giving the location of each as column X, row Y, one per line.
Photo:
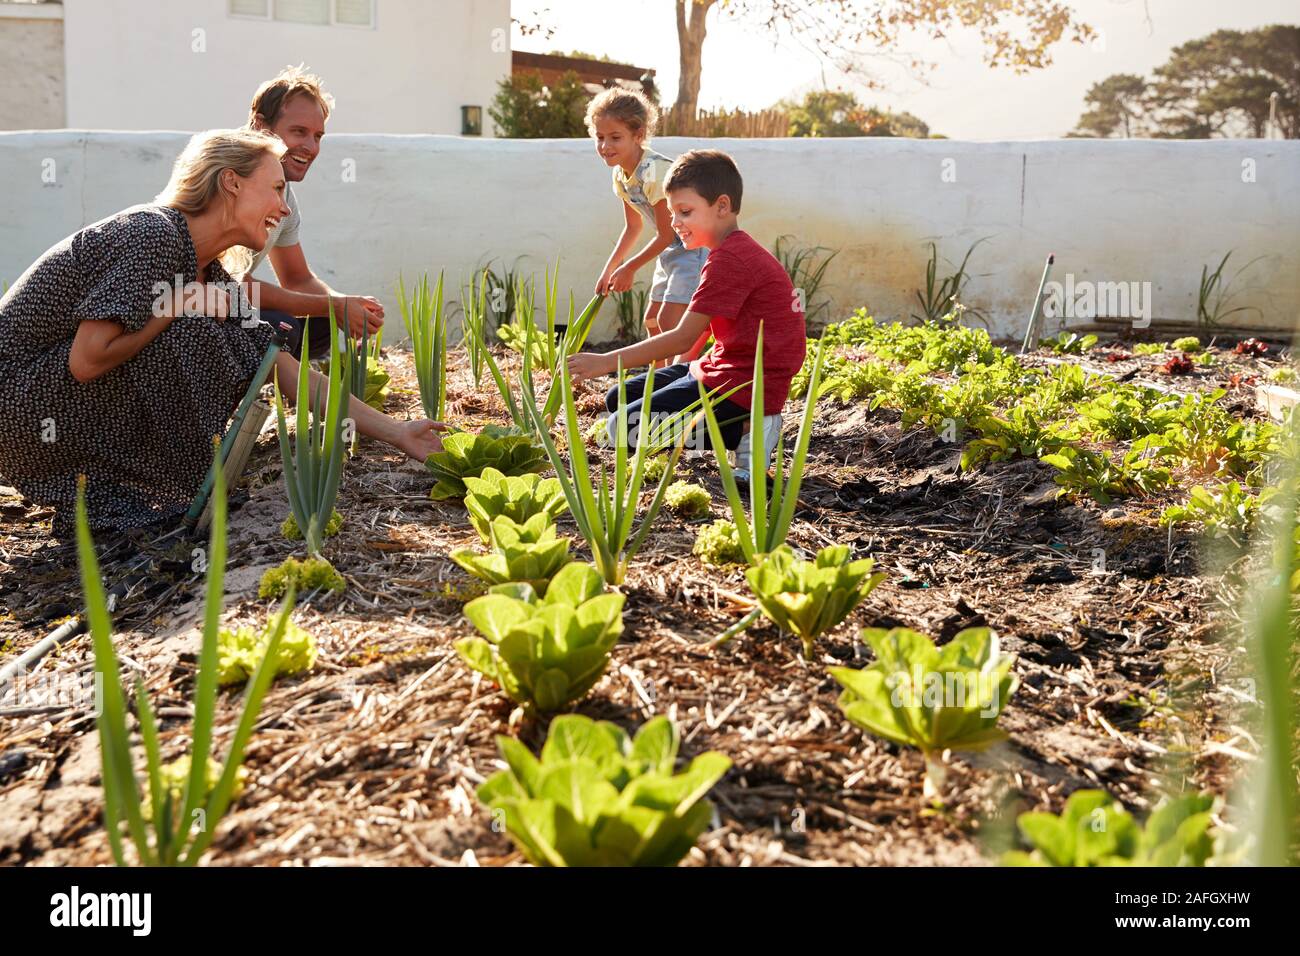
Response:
column 621, row 122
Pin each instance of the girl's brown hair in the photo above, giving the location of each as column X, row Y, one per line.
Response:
column 629, row 107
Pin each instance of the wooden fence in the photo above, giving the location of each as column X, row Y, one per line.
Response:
column 765, row 123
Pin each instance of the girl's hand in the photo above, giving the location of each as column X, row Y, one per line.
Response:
column 622, row 278
column 420, row 439
column 602, row 284
column 585, row 365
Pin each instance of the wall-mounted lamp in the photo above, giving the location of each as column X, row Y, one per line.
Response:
column 471, row 121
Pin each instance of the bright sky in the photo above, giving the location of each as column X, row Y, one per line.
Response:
column 964, row 98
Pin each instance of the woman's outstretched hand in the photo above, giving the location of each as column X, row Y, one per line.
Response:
column 420, row 439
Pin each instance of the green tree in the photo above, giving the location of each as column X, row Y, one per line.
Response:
column 1016, row 33
column 526, row 108
column 1115, row 106
column 837, row 113
column 1220, row 85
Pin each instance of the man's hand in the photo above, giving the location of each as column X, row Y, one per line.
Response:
column 621, row 279
column 585, row 365
column 420, row 439
column 363, row 313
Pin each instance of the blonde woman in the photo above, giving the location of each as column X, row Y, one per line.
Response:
column 125, row 348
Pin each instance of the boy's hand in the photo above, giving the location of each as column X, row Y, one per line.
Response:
column 585, row 365
column 621, row 279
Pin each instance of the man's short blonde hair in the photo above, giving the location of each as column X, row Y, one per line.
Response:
column 271, row 96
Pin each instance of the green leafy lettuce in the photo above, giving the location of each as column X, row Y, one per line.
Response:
column 545, row 652
column 528, row 552
column 808, row 598
column 598, row 798
column 517, row 497
column 465, row 455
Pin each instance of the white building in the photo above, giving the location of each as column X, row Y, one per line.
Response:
column 393, row 66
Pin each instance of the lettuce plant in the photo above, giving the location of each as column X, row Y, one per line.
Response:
column 808, row 598
column 313, row 574
column 1231, row 512
column 240, row 652
column 527, row 552
column 718, row 544
column 466, row 455
column 771, row 514
column 598, row 798
column 934, row 699
column 1069, row 343
column 1096, row 474
column 180, row 826
column 517, row 497
column 545, row 652
column 314, row 464
column 289, row 527
column 1095, row 830
column 687, row 499
column 174, row 775
column 426, row 325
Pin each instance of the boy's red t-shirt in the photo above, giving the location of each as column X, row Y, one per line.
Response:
column 741, row 285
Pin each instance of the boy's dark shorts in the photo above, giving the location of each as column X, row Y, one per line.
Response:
column 318, row 341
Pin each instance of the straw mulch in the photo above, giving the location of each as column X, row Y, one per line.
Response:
column 373, row 757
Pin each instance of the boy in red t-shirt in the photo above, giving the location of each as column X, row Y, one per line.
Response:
column 742, row 284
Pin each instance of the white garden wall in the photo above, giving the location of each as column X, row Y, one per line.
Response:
column 1144, row 211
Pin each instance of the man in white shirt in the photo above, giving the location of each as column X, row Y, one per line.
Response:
column 294, row 107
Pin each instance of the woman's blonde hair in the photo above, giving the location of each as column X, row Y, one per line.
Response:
column 196, row 176
column 629, row 107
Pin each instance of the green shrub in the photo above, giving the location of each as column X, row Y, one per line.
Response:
column 1189, row 343
column 596, row 798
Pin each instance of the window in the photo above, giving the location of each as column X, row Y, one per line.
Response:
column 249, row 8
column 354, row 13
column 348, row 13
column 303, row 11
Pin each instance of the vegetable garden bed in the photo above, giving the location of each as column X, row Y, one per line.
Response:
column 374, row 755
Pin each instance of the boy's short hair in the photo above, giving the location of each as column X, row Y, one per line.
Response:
column 710, row 172
column 292, row 81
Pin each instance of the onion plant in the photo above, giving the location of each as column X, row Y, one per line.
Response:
column 605, row 508
column 426, row 324
column 474, row 319
column 771, row 513
column 166, row 830
column 314, row 464
column 557, row 353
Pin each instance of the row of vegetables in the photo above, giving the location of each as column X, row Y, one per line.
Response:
column 548, row 624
